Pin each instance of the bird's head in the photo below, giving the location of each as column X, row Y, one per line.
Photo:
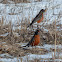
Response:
column 42, row 10
column 37, row 31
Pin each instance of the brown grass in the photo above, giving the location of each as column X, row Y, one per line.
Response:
column 18, row 1
column 24, row 36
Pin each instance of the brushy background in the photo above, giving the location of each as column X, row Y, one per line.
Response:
column 15, row 15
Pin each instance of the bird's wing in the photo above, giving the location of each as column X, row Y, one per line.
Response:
column 38, row 17
column 30, row 41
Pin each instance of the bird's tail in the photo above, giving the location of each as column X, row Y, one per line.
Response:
column 24, row 46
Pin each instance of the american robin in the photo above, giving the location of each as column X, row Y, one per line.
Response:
column 39, row 17
column 35, row 39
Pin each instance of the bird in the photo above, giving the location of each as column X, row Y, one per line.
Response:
column 35, row 40
column 39, row 17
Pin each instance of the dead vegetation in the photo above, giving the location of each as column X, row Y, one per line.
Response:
column 23, row 35
column 18, row 1
column 11, row 40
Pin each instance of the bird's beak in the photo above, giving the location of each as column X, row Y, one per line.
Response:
column 45, row 10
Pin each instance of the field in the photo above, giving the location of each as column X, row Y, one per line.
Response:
column 14, row 33
column 11, row 42
column 18, row 1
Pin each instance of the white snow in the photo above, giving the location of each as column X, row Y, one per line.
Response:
column 8, row 58
column 3, row 35
column 29, row 10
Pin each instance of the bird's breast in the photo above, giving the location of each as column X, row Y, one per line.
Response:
column 36, row 40
column 41, row 19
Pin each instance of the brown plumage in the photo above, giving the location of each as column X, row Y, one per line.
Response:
column 35, row 39
column 39, row 17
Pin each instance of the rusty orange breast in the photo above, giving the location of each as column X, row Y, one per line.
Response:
column 36, row 40
column 41, row 19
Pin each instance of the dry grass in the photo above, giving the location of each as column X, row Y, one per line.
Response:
column 18, row 1
column 53, row 36
column 23, row 35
